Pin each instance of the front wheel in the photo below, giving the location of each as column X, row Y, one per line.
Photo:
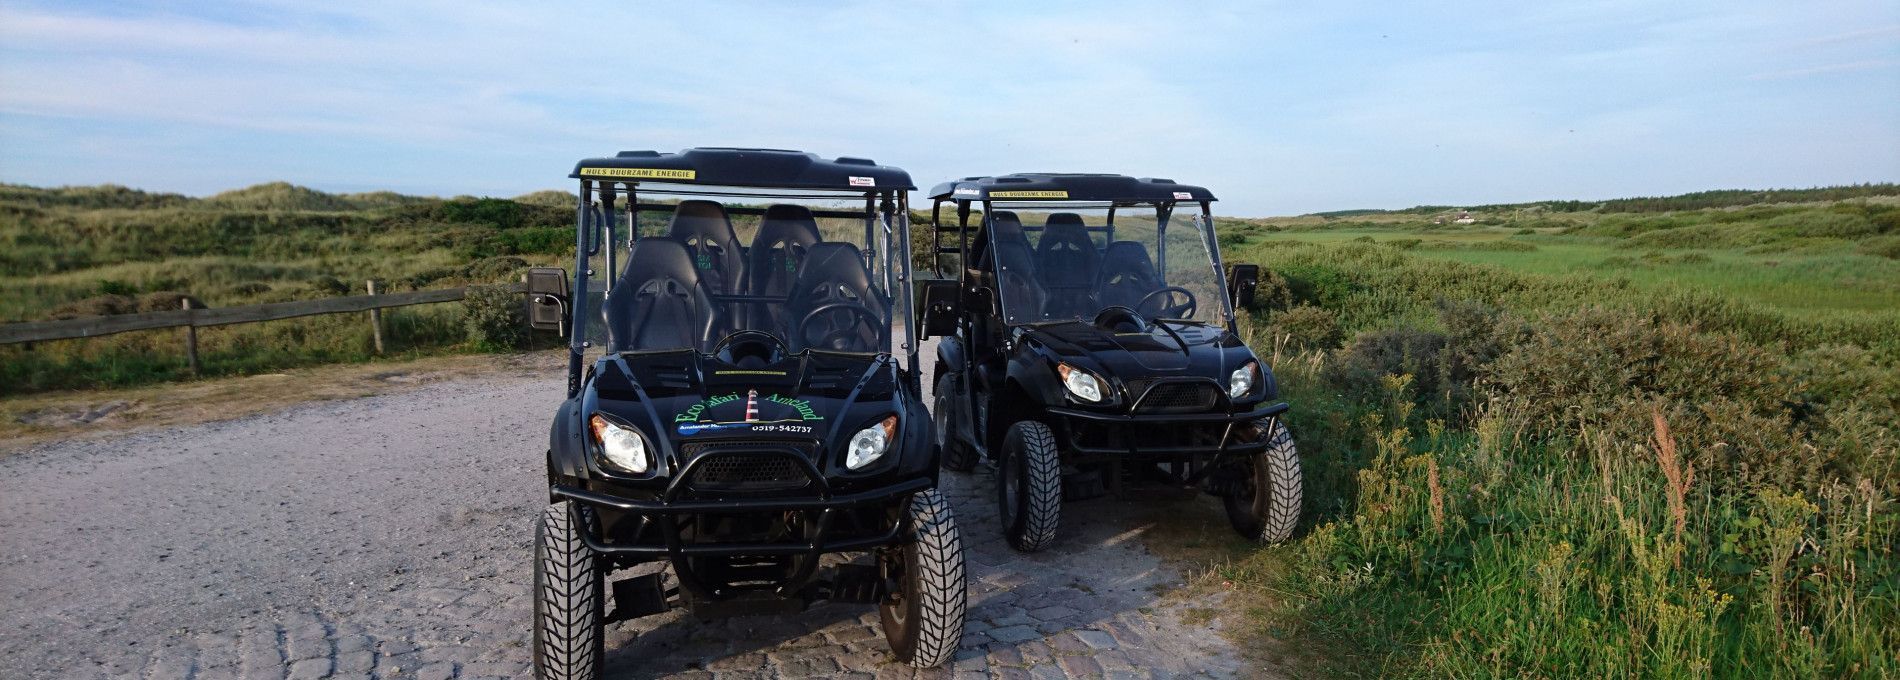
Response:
column 568, row 598
column 1029, row 486
column 923, row 616
column 1266, row 505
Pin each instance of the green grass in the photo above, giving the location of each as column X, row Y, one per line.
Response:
column 1487, row 489
column 1797, row 283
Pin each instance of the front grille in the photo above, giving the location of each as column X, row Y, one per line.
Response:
column 750, row 466
column 748, row 472
column 1179, row 397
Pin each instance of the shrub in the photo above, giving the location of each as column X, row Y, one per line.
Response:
column 500, row 268
column 1273, row 292
column 1882, row 246
column 167, row 300
column 1362, row 369
column 250, row 289
column 422, row 279
column 1445, row 366
column 1603, row 371
column 493, row 317
column 537, row 240
column 329, row 285
column 98, row 305
column 1306, row 327
column 565, row 200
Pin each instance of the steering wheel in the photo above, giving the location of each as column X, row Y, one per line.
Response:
column 1178, row 311
column 1119, row 319
column 835, row 336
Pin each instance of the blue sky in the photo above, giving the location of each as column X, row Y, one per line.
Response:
column 1279, row 108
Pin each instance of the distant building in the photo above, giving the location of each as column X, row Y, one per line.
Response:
column 1464, row 217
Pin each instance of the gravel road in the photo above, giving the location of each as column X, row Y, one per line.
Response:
column 389, row 537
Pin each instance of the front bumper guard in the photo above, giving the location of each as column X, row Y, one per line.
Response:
column 666, row 513
column 1226, row 445
column 806, row 555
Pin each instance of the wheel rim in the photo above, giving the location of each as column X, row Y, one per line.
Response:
column 897, row 574
column 1250, row 491
column 1244, row 505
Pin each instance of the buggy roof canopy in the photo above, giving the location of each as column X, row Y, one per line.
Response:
column 727, row 166
column 1069, row 186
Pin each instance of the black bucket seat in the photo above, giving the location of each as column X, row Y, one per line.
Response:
column 1066, row 263
column 786, row 235
column 1127, row 275
column 660, row 301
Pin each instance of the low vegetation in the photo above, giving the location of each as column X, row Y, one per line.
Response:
column 87, row 251
column 1666, row 466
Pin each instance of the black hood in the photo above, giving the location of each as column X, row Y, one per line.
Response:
column 1164, row 349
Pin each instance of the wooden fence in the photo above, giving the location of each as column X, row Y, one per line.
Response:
column 95, row 326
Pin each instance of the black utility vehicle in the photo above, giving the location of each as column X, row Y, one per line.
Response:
column 734, row 407
column 1088, row 340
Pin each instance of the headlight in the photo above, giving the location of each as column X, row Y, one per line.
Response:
column 1081, row 383
column 624, row 447
column 1240, row 383
column 870, row 443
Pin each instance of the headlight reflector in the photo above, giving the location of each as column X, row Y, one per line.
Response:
column 869, row 444
column 624, row 448
column 1081, row 383
column 1240, row 382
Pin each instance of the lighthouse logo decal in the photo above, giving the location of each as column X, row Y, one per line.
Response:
column 751, row 412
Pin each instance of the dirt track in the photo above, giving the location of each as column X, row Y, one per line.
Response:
column 389, row 537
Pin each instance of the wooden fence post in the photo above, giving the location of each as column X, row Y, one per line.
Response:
column 191, row 339
column 376, row 320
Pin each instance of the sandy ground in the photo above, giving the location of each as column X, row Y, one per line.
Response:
column 388, row 536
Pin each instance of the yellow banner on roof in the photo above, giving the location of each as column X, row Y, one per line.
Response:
column 642, row 173
column 1029, row 194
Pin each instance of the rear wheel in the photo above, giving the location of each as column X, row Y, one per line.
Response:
column 1029, row 486
column 568, row 598
column 954, row 455
column 923, row 616
column 1266, row 505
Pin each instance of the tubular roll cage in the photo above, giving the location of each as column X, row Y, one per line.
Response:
column 595, row 219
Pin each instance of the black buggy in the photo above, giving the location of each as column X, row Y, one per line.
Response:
column 734, row 407
column 1088, row 341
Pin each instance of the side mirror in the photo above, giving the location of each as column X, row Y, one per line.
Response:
column 547, row 299
column 938, row 314
column 1242, row 279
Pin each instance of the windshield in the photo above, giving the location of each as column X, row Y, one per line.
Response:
column 806, row 268
column 1062, row 263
